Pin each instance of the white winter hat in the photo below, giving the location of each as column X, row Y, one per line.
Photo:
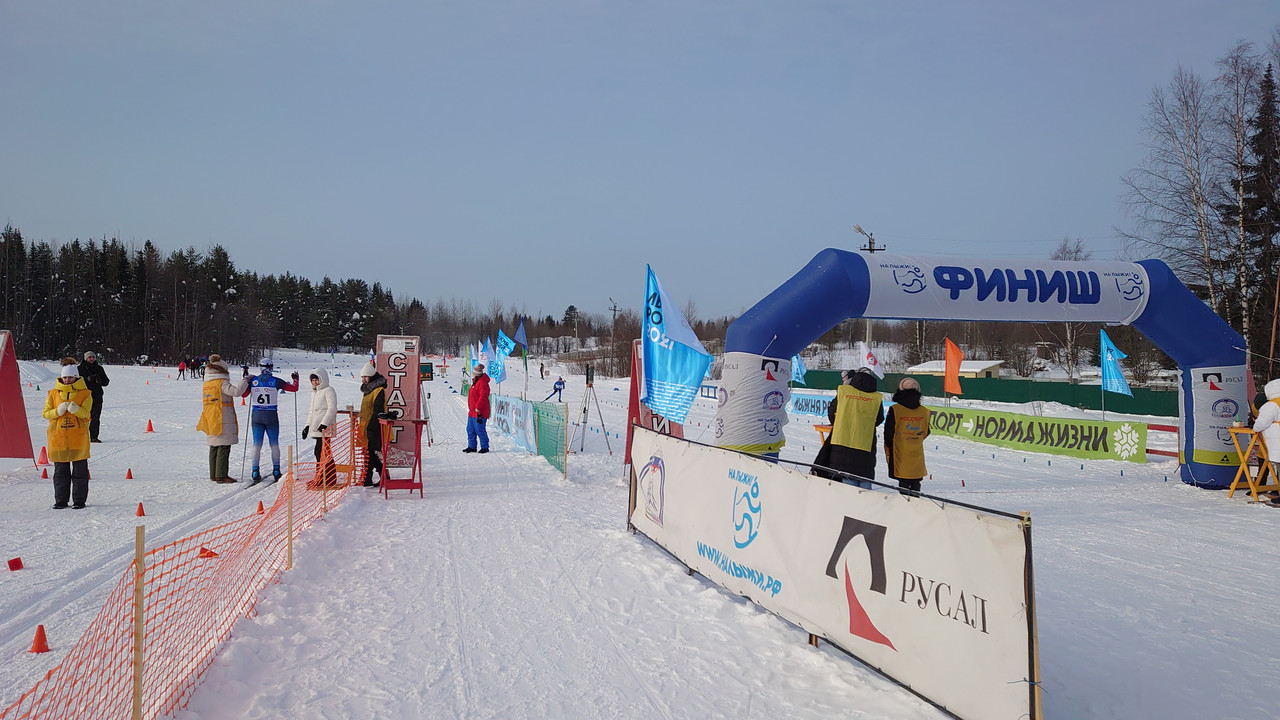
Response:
column 368, row 370
column 69, row 370
column 478, row 370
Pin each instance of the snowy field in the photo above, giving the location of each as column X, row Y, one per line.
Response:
column 511, row 592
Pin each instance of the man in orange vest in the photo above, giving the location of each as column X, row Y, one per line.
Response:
column 905, row 428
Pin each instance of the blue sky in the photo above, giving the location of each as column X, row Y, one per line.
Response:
column 541, row 153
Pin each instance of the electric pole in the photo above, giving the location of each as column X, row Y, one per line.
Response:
column 871, row 248
column 613, row 339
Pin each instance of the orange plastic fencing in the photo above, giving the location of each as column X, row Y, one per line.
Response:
column 195, row 589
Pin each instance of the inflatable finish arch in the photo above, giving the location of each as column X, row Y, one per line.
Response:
column 837, row 285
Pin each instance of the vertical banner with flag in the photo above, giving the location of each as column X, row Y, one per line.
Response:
column 674, row 360
column 798, row 369
column 951, row 378
column 869, row 360
column 1112, row 377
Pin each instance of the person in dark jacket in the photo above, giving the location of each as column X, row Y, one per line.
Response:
column 905, row 428
column 373, row 407
column 478, row 412
column 95, row 378
column 855, row 413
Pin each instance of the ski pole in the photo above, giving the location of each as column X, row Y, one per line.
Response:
column 245, row 452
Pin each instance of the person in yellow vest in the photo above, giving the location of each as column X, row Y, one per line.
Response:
column 373, row 407
column 855, row 412
column 218, row 417
column 905, row 428
column 69, row 410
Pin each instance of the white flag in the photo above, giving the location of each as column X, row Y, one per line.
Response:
column 869, row 360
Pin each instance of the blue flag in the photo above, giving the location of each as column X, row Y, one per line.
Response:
column 499, row 361
column 487, row 350
column 798, row 370
column 674, row 360
column 1112, row 378
column 520, row 336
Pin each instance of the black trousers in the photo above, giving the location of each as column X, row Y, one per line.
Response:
column 95, row 415
column 373, row 466
column 71, row 482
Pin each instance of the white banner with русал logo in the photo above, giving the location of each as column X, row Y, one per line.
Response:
column 934, row 596
column 1219, row 397
column 752, row 410
column 946, row 288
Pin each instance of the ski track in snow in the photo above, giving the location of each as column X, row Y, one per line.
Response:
column 511, row 591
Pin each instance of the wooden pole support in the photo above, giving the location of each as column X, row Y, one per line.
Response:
column 813, row 640
column 139, row 576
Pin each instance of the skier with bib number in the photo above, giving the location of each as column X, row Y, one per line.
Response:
column 263, row 393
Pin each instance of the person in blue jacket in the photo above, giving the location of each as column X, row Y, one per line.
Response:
column 264, row 393
column 556, row 390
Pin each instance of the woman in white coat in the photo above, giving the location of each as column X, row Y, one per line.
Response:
column 1268, row 423
column 322, row 417
column 218, row 417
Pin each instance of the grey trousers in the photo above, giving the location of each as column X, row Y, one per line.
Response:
column 71, row 482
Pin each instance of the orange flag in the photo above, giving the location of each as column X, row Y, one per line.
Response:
column 951, row 379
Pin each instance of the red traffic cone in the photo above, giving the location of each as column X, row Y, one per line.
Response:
column 41, row 644
column 128, row 474
column 140, row 513
column 44, row 456
column 242, row 400
column 44, row 474
column 260, row 510
column 15, row 563
column 149, row 428
column 206, row 553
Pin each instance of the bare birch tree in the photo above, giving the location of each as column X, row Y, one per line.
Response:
column 1168, row 195
column 1235, row 102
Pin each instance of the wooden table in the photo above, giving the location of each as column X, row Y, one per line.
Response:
column 1245, row 475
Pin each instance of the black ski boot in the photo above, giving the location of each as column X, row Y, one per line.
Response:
column 257, row 477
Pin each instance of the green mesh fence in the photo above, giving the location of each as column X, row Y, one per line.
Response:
column 1145, row 401
column 552, row 424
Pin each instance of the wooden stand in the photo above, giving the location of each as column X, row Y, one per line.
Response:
column 414, row 481
column 1245, row 476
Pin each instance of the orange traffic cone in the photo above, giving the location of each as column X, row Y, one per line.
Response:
column 206, row 553
column 44, row 456
column 128, row 474
column 260, row 510
column 148, row 382
column 149, row 428
column 44, row 474
column 142, row 514
column 41, row 644
column 242, row 400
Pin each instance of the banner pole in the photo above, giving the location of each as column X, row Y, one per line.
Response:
column 289, row 490
column 139, row 575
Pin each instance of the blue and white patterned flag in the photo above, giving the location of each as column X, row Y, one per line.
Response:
column 499, row 363
column 674, row 360
column 1112, row 377
column 798, row 370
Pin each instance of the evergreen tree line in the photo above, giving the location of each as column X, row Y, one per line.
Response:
column 140, row 305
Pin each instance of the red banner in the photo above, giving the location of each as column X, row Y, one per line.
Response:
column 15, row 436
column 397, row 360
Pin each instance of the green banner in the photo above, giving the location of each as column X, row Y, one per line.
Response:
column 1092, row 439
column 552, row 422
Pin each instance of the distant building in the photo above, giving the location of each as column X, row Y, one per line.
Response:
column 968, row 368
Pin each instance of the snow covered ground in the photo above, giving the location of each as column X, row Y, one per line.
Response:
column 509, row 591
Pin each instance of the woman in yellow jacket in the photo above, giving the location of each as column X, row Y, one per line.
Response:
column 68, row 408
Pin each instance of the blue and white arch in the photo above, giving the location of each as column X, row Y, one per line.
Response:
column 837, row 285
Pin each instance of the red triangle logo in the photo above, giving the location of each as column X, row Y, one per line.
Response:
column 768, row 375
column 1212, row 386
column 859, row 622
